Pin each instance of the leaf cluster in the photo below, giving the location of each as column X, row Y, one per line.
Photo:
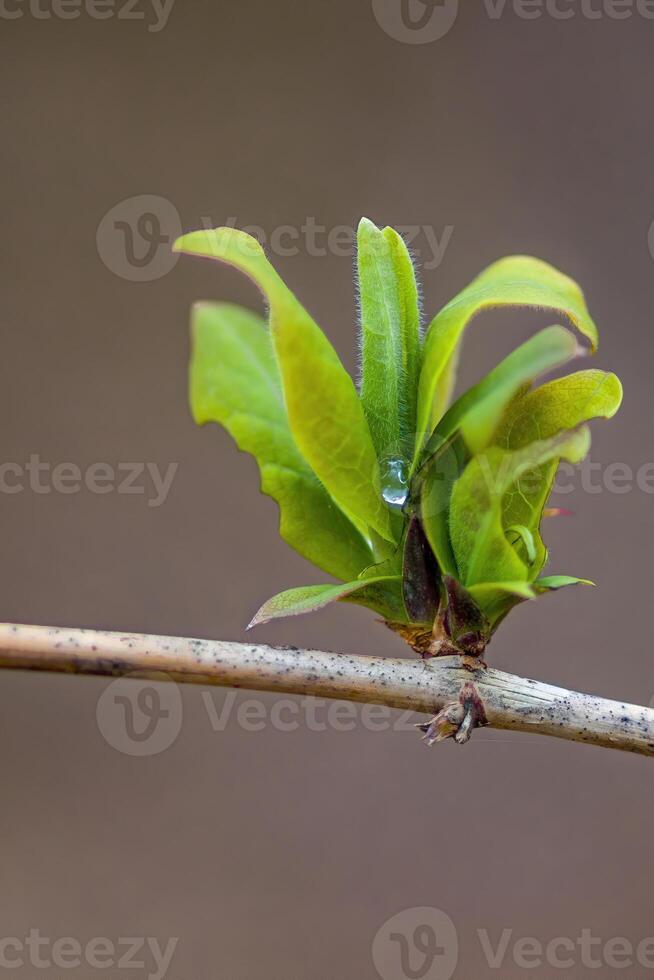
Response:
column 426, row 510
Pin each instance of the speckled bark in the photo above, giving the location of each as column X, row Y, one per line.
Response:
column 510, row 702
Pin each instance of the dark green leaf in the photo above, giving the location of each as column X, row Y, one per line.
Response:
column 390, row 340
column 498, row 598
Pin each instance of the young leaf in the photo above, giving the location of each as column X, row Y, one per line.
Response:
column 478, row 411
column 390, row 340
column 558, row 405
column 477, row 530
column 309, row 598
column 541, row 414
column 234, row 381
column 324, row 411
column 431, row 490
column 515, row 281
column 498, row 598
column 471, row 423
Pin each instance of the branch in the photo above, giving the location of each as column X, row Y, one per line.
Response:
column 509, row 702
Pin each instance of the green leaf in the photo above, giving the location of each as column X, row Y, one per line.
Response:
column 234, row 381
column 431, row 490
column 324, row 411
column 383, row 595
column 496, row 599
column 390, row 339
column 469, row 425
column 475, row 418
column 558, row 405
column 477, row 530
column 515, row 281
column 546, row 411
column 487, row 592
column 309, row 598
column 553, row 582
column 477, row 413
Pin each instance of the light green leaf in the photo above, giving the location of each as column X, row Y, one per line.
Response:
column 477, row 530
column 553, row 582
column 324, row 411
column 234, row 381
column 477, row 413
column 558, row 405
column 390, row 340
column 309, row 598
column 515, row 281
column 540, row 414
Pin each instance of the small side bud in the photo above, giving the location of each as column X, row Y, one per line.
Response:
column 457, row 719
column 463, row 621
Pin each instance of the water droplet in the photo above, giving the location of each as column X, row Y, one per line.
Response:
column 395, row 488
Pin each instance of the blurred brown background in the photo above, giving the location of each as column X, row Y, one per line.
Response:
column 280, row 854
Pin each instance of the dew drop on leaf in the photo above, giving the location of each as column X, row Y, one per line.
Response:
column 395, row 489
